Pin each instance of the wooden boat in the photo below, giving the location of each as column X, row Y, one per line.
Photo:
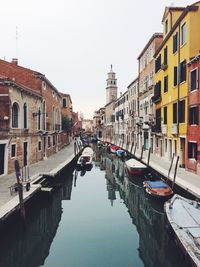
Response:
column 85, row 158
column 121, row 153
column 184, row 218
column 135, row 167
column 113, row 149
column 158, row 189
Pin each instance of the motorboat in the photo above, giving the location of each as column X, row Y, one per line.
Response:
column 121, row 153
column 184, row 219
column 135, row 167
column 85, row 159
column 113, row 149
column 158, row 189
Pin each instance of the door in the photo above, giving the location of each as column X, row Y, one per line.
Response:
column 25, row 153
column 170, row 149
column 182, row 153
column 2, row 158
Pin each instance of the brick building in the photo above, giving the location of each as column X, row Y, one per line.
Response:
column 193, row 126
column 30, row 120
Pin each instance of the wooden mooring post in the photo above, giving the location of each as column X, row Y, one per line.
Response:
column 132, row 148
column 135, row 149
column 149, row 153
column 175, row 171
column 142, row 153
column 20, row 190
column 170, row 166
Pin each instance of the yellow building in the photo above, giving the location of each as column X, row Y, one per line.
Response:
column 181, row 41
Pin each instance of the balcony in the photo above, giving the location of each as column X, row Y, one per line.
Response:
column 164, row 129
column 156, row 99
column 148, row 118
column 174, row 128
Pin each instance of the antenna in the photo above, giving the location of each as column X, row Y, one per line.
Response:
column 16, row 42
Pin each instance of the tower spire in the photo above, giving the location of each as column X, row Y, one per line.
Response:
column 111, row 67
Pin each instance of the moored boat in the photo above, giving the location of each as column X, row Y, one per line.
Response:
column 184, row 218
column 135, row 167
column 113, row 149
column 85, row 159
column 121, row 153
column 158, row 189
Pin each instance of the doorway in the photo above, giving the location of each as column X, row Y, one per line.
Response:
column 2, row 159
column 182, row 152
column 25, row 153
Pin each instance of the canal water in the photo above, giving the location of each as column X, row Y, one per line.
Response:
column 98, row 218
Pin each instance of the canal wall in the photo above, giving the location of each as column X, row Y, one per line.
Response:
column 46, row 168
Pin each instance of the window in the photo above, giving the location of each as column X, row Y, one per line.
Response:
column 165, row 145
column 25, row 116
column 181, row 112
column 192, row 150
column 194, row 115
column 158, row 64
column 158, row 120
column 194, row 79
column 64, row 102
column 175, row 147
column 175, row 113
column 183, row 71
column 166, row 84
column 49, row 141
column 183, row 34
column 175, row 43
column 39, row 120
column 15, row 115
column 175, row 76
column 165, row 56
column 39, row 146
column 13, row 150
column 54, row 140
column 165, row 115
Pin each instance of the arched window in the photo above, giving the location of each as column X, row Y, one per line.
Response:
column 15, row 115
column 53, row 118
column 44, row 116
column 25, row 116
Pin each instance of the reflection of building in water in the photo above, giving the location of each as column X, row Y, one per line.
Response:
column 97, row 158
column 111, row 184
column 67, row 188
column 155, row 247
column 30, row 247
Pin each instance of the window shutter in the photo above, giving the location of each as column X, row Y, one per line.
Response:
column 197, row 81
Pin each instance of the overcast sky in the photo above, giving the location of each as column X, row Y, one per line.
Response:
column 73, row 42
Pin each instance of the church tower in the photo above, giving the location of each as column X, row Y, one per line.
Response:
column 111, row 89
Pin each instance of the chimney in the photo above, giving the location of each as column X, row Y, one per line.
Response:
column 14, row 61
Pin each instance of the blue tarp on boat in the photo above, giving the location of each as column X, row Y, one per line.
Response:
column 157, row 184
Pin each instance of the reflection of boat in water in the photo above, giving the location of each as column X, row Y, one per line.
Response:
column 158, row 189
column 135, row 167
column 184, row 217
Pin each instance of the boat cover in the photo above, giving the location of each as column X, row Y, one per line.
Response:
column 157, row 184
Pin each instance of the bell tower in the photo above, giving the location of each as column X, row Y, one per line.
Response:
column 111, row 88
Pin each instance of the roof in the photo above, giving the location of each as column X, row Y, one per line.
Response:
column 155, row 35
column 171, row 8
column 132, row 82
column 66, row 95
column 181, row 17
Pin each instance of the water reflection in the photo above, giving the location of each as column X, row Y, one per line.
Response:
column 29, row 248
column 89, row 231
column 155, row 246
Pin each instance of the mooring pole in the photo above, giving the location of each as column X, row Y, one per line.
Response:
column 20, row 189
column 170, row 166
column 175, row 171
column 142, row 152
column 135, row 149
column 75, row 148
column 149, row 153
column 132, row 148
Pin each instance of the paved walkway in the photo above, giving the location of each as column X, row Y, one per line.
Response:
column 52, row 165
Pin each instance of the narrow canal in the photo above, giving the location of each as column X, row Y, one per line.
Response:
column 95, row 219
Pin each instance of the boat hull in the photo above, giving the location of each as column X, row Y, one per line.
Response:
column 162, row 193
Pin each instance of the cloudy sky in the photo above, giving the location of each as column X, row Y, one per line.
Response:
column 73, row 42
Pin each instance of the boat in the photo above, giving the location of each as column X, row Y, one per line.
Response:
column 184, row 218
column 158, row 189
column 114, row 148
column 85, row 159
column 121, row 153
column 135, row 167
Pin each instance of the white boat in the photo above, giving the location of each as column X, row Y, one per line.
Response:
column 85, row 158
column 135, row 167
column 184, row 217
